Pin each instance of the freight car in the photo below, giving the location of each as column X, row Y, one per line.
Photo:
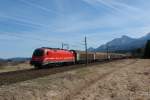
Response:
column 44, row 56
column 80, row 56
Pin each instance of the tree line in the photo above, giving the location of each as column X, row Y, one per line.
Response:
column 142, row 52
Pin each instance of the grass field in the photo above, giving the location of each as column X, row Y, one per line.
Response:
column 127, row 79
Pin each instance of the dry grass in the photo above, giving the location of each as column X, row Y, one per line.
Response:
column 119, row 80
column 14, row 66
column 129, row 83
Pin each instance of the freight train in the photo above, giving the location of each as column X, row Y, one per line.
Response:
column 53, row 56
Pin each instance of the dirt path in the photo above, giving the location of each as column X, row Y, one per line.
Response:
column 118, row 80
column 129, row 83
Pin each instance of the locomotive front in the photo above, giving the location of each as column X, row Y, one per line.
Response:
column 37, row 57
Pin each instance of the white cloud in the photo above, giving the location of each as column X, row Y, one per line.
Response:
column 41, row 7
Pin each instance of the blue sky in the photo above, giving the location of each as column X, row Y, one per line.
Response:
column 29, row 24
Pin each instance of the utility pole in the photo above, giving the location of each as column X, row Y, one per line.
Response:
column 65, row 45
column 107, row 52
column 62, row 45
column 86, row 50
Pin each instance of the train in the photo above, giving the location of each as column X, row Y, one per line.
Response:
column 55, row 56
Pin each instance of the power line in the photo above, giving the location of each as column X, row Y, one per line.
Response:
column 39, row 39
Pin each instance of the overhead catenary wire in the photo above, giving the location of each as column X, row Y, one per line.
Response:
column 40, row 39
column 27, row 37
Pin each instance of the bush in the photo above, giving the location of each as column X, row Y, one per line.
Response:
column 147, row 50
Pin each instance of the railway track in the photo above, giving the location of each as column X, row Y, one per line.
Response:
column 23, row 75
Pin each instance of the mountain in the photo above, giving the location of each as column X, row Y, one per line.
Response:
column 147, row 37
column 124, row 43
column 91, row 49
column 18, row 59
column 1, row 59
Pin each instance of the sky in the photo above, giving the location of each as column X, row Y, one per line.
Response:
column 29, row 24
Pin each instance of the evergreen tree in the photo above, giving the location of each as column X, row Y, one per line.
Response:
column 147, row 50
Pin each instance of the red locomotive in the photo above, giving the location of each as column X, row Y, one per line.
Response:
column 44, row 56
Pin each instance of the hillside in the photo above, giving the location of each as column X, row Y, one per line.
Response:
column 124, row 43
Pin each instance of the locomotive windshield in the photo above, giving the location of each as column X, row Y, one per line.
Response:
column 38, row 52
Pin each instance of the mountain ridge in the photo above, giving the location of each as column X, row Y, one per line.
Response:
column 124, row 43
